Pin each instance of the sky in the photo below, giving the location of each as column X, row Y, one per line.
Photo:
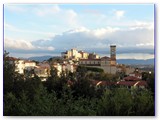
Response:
column 49, row 29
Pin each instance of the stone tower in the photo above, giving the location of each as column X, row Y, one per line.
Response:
column 113, row 54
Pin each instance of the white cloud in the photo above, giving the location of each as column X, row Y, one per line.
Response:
column 119, row 13
column 135, row 56
column 10, row 27
column 42, row 10
column 141, row 25
column 66, row 16
column 145, row 45
column 15, row 8
column 18, row 44
column 78, row 30
column 24, row 45
column 97, row 40
column 101, row 38
column 102, row 32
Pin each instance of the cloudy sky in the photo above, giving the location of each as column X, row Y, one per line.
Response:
column 49, row 29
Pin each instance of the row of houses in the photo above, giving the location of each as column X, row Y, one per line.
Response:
column 131, row 82
column 41, row 69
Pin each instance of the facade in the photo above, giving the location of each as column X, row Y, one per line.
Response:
column 134, row 74
column 42, row 70
column 105, row 63
column 60, row 67
column 93, row 56
column 73, row 54
column 29, row 65
column 129, row 70
column 20, row 66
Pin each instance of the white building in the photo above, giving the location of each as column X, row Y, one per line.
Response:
column 20, row 66
column 64, row 67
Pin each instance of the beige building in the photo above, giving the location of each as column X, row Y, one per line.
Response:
column 105, row 63
column 42, row 72
column 64, row 67
column 73, row 54
column 129, row 70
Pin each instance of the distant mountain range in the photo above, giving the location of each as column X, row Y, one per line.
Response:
column 134, row 61
column 40, row 58
column 120, row 61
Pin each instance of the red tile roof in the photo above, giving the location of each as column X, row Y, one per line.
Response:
column 104, row 83
column 132, row 83
column 105, row 58
column 126, row 83
column 142, row 83
column 11, row 58
column 131, row 78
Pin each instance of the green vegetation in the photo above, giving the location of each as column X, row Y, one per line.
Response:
column 94, row 69
column 56, row 97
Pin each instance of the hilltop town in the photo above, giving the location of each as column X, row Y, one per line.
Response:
column 77, row 83
column 70, row 60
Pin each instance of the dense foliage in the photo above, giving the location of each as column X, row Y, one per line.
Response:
column 94, row 69
column 58, row 98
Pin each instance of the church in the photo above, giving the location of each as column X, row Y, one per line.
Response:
column 108, row 64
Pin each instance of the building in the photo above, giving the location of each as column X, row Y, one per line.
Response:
column 73, row 54
column 29, row 65
column 108, row 64
column 113, row 54
column 93, row 56
column 42, row 72
column 63, row 67
column 132, row 82
column 21, row 65
column 129, row 70
column 137, row 75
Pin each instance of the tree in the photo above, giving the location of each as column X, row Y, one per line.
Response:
column 9, row 74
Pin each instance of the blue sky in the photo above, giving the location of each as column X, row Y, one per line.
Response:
column 48, row 29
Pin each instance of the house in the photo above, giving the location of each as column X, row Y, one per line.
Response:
column 132, row 82
column 29, row 65
column 66, row 66
column 42, row 72
column 135, row 74
column 21, row 65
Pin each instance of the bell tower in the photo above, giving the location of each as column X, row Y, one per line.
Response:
column 113, row 51
column 113, row 54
